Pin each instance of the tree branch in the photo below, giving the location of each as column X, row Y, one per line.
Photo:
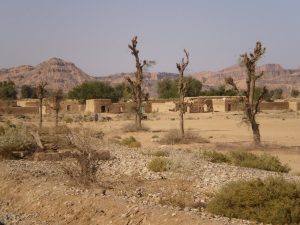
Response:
column 231, row 82
column 260, row 98
column 259, row 75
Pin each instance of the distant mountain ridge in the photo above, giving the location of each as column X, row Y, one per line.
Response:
column 66, row 75
column 275, row 76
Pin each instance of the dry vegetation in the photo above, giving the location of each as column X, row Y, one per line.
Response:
column 173, row 137
column 159, row 165
column 14, row 140
column 87, row 158
column 131, row 127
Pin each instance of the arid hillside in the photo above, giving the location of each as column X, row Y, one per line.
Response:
column 275, row 76
column 57, row 72
column 66, row 75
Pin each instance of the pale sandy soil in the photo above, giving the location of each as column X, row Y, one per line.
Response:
column 40, row 193
column 280, row 130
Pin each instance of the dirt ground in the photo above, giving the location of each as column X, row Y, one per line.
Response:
column 38, row 192
column 280, row 130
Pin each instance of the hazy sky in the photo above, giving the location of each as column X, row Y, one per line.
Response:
column 94, row 34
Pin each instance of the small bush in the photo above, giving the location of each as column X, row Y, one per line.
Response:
column 215, row 157
column 16, row 139
column 180, row 199
column 173, row 137
column 179, row 195
column 87, row 158
column 247, row 159
column 98, row 134
column 55, row 138
column 159, row 165
column 130, row 142
column 264, row 162
column 69, row 120
column 273, row 200
column 131, row 127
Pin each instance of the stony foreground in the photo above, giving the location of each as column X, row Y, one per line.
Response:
column 39, row 192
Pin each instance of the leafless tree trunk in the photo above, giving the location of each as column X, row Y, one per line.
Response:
column 181, row 90
column 41, row 90
column 252, row 105
column 57, row 97
column 136, row 85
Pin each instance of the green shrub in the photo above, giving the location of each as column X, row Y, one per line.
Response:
column 264, row 162
column 130, row 142
column 16, row 139
column 173, row 137
column 215, row 157
column 247, row 159
column 159, row 165
column 273, row 200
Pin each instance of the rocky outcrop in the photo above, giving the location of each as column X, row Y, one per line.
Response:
column 57, row 72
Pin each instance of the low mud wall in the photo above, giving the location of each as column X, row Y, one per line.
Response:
column 19, row 110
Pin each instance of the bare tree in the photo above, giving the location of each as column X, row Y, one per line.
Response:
column 41, row 91
column 136, row 85
column 182, row 90
column 249, row 61
column 57, row 97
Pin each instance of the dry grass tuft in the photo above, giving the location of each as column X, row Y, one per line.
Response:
column 159, row 153
column 180, row 195
column 173, row 137
column 130, row 142
column 131, row 127
column 159, row 165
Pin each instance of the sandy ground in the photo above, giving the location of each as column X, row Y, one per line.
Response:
column 39, row 193
column 280, row 130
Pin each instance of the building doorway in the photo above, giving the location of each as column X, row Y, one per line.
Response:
column 103, row 108
column 229, row 108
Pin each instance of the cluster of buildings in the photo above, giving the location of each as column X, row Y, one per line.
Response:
column 199, row 104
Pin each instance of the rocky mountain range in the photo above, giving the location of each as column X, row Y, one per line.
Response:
column 275, row 76
column 61, row 74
